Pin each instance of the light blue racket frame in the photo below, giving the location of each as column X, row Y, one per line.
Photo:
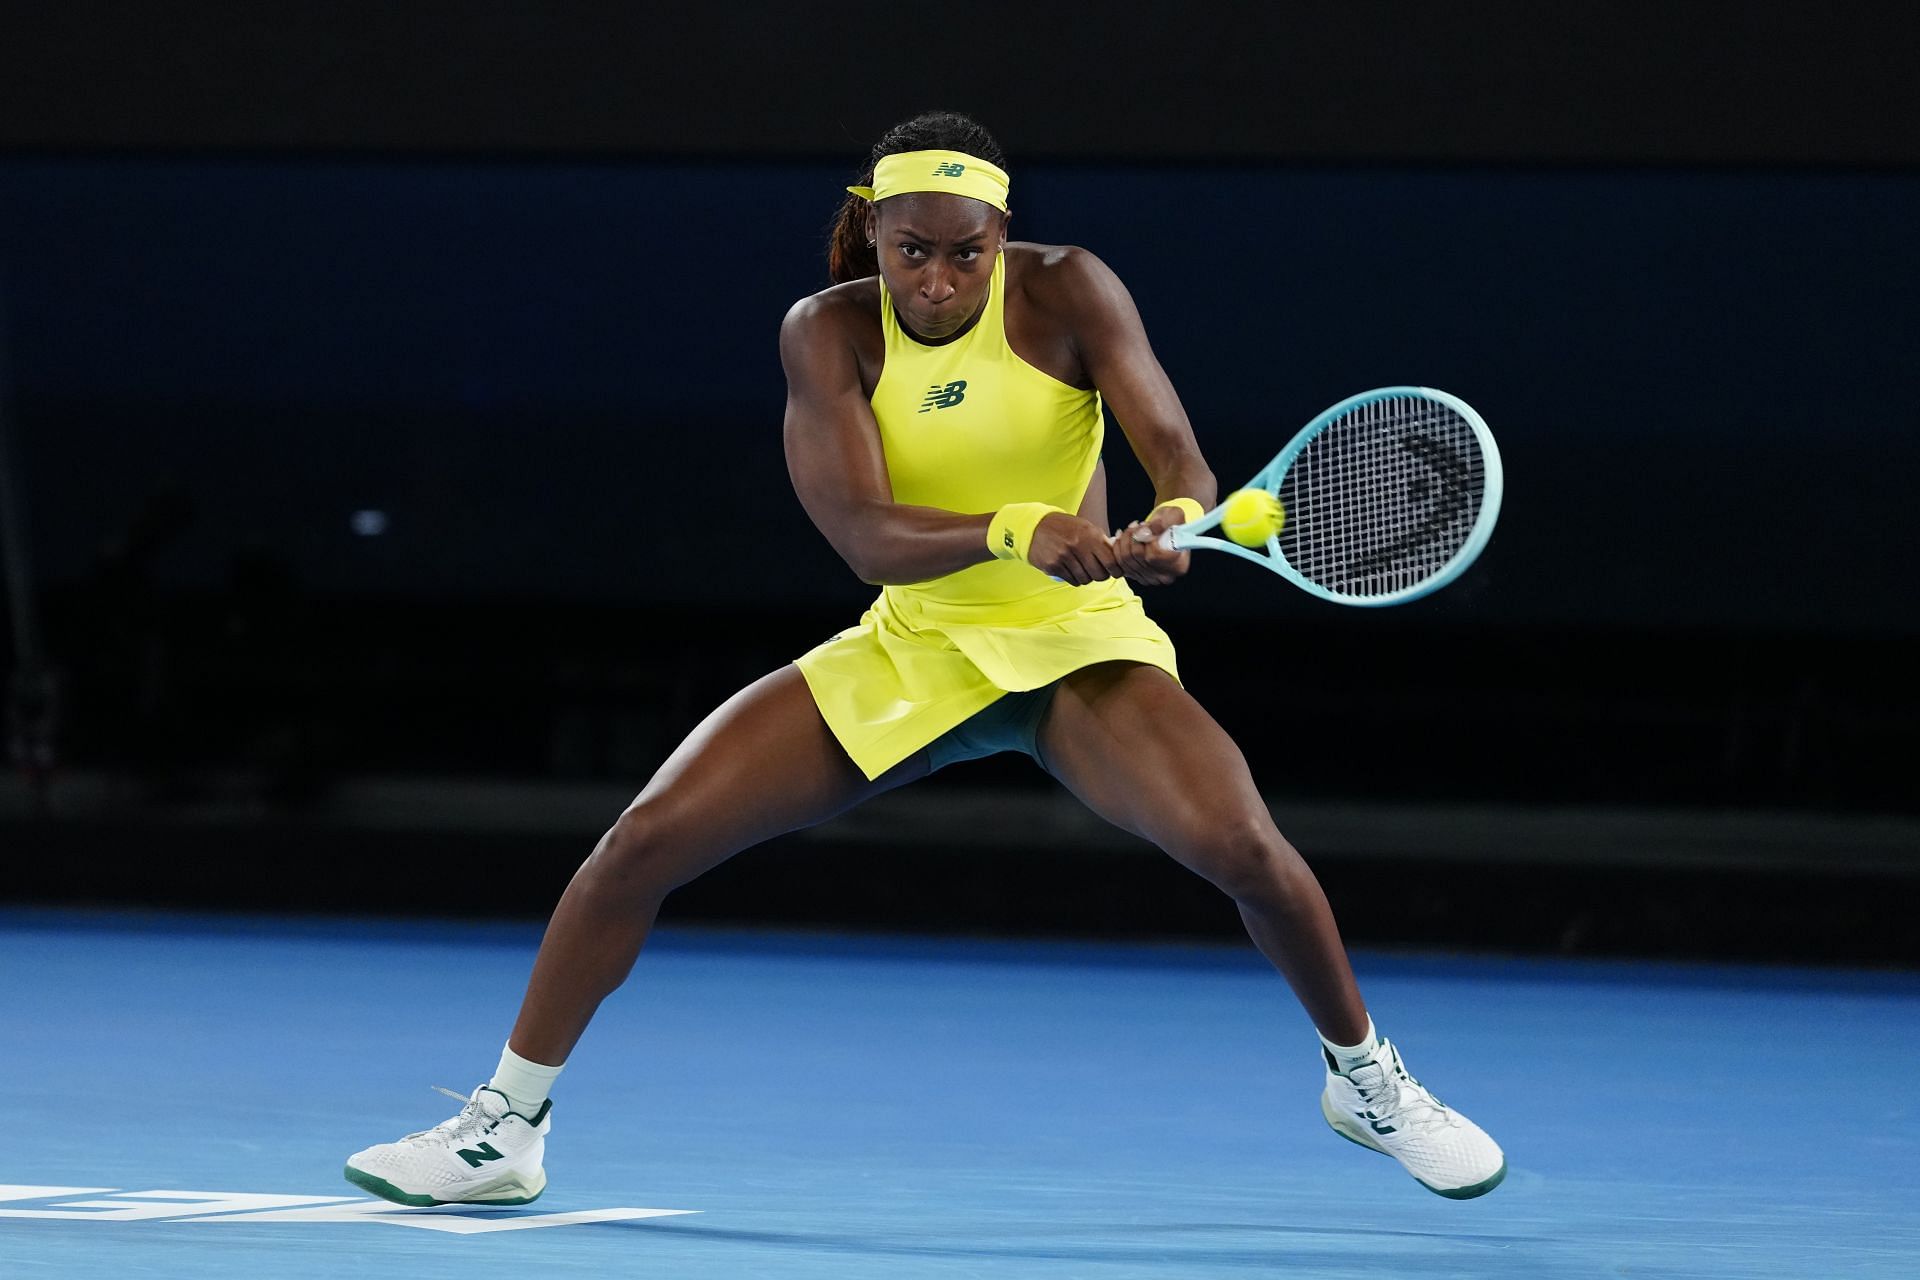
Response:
column 1186, row 536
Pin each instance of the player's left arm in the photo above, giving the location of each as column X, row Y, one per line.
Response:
column 1111, row 342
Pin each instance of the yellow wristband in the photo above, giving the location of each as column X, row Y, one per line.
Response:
column 1011, row 532
column 1192, row 509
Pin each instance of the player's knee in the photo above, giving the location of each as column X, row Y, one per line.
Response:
column 1250, row 861
column 636, row 855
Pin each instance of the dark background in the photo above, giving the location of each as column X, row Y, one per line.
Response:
column 511, row 279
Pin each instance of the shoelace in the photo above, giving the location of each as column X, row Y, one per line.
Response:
column 1410, row 1107
column 469, row 1124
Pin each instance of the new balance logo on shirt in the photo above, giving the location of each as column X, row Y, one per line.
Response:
column 939, row 397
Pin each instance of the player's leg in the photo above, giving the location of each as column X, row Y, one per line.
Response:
column 1138, row 750
column 764, row 763
column 1142, row 753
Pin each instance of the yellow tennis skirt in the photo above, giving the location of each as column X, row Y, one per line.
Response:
column 915, row 667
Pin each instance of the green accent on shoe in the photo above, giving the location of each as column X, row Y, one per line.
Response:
column 1452, row 1193
column 476, row 1158
column 387, row 1191
column 1468, row 1193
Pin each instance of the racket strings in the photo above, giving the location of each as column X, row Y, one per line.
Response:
column 1384, row 497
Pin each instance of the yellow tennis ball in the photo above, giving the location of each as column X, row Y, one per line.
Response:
column 1251, row 516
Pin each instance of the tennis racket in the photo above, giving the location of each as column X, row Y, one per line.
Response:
column 1389, row 495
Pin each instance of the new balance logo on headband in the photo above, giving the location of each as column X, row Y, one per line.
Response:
column 948, row 169
column 939, row 397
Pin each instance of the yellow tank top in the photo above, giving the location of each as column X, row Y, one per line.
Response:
column 969, row 427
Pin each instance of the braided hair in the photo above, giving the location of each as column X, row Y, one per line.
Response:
column 849, row 256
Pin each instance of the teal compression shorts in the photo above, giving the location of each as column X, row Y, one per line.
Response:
column 1010, row 723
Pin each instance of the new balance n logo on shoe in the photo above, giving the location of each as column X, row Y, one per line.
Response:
column 939, row 397
column 476, row 1158
column 948, row 169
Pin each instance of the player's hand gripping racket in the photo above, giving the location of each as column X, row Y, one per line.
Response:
column 1385, row 497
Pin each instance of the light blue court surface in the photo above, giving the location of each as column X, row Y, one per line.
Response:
column 840, row 1108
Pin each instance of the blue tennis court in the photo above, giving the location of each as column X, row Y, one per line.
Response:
column 181, row 1093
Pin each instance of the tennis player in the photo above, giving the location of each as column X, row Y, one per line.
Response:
column 943, row 430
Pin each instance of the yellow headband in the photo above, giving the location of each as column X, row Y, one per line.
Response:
column 954, row 172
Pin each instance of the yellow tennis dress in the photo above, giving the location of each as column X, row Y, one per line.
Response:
column 969, row 427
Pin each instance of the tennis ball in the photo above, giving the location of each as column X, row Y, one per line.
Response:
column 1251, row 516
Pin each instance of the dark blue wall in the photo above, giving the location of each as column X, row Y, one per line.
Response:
column 1702, row 382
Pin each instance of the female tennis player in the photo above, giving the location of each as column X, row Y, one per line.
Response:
column 943, row 431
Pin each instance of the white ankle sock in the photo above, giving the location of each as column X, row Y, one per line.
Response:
column 1348, row 1056
column 526, row 1084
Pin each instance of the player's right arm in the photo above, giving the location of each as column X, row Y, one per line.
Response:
column 840, row 472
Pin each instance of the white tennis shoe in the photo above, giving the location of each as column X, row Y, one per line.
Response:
column 1379, row 1106
column 488, row 1154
